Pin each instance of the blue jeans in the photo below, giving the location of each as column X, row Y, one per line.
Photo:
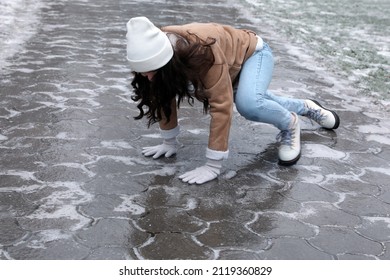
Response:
column 253, row 99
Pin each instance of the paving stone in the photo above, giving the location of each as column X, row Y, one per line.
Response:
column 345, row 241
column 330, row 215
column 293, row 249
column 112, row 232
column 169, row 220
column 237, row 255
column 365, row 206
column 225, row 234
column 10, row 231
column 55, row 251
column 273, row 225
column 160, row 247
column 371, row 228
column 110, row 253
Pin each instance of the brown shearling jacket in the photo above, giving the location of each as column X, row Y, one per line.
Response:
column 231, row 49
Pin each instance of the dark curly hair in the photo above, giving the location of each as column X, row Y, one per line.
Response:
column 181, row 77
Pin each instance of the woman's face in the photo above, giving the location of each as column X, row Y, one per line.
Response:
column 149, row 74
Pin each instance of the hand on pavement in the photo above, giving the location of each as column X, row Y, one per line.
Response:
column 203, row 174
column 168, row 148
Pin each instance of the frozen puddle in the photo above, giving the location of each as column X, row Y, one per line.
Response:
column 322, row 151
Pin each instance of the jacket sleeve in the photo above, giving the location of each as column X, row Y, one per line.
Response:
column 219, row 92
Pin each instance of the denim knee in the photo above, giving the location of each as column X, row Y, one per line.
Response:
column 249, row 109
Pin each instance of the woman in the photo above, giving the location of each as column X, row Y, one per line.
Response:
column 204, row 60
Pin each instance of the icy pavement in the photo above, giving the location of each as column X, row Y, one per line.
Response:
column 74, row 184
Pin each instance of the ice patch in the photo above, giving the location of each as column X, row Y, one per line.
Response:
column 12, row 113
column 315, row 179
column 116, row 145
column 305, row 212
column 78, row 166
column 196, row 131
column 385, row 171
column 64, row 136
column 311, row 168
column 154, row 135
column 25, row 70
column 24, row 175
column 379, row 138
column 126, row 160
column 321, row 151
column 385, row 220
column 319, row 42
column 373, row 129
column 230, row 175
column 349, row 176
column 122, row 88
column 53, row 234
column 165, row 171
column 69, row 192
column 128, row 205
column 18, row 21
column 23, row 189
column 65, row 211
column 62, row 203
column 191, row 204
column 5, row 254
column 90, row 102
column 3, row 137
column 125, row 99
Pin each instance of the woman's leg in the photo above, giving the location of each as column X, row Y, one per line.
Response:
column 291, row 104
column 255, row 102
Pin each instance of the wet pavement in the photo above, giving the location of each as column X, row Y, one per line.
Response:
column 74, row 184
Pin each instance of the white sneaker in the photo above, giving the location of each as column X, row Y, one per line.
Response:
column 290, row 143
column 324, row 117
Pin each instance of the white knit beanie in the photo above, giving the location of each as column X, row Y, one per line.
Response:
column 148, row 48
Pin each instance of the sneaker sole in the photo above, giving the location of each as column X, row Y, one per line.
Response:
column 289, row 162
column 336, row 117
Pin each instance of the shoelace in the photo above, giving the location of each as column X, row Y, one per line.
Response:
column 284, row 137
column 315, row 115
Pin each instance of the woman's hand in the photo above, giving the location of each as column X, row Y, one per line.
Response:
column 168, row 148
column 203, row 174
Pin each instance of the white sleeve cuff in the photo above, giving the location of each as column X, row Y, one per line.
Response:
column 216, row 155
column 170, row 133
column 260, row 43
